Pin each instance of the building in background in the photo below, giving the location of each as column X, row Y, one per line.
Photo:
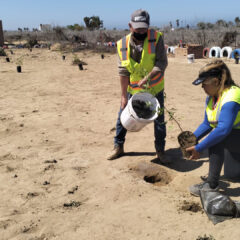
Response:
column 45, row 27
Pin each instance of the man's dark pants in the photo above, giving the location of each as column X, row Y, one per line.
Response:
column 159, row 127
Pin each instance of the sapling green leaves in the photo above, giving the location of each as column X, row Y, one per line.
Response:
column 143, row 73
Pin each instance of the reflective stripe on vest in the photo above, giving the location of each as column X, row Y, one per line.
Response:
column 124, row 48
column 154, row 81
column 152, row 36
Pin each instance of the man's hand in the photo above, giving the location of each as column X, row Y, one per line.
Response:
column 124, row 101
column 194, row 154
column 142, row 82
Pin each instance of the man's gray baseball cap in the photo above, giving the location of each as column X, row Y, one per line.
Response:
column 140, row 19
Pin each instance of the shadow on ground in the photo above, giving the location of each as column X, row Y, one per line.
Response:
column 135, row 154
column 178, row 163
column 225, row 187
column 232, row 192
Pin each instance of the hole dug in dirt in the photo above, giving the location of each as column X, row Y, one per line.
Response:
column 154, row 174
column 152, row 179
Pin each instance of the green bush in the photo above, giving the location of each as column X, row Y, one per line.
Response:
column 2, row 52
column 32, row 42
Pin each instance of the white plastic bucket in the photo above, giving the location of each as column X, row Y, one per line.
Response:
column 130, row 119
column 190, row 58
column 171, row 50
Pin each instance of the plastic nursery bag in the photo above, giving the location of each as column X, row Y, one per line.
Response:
column 219, row 207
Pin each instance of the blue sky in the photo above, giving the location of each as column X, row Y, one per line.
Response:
column 30, row 13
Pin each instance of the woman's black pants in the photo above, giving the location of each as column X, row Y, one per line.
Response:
column 216, row 155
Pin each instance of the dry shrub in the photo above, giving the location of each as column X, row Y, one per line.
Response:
column 95, row 39
column 205, row 37
column 32, row 42
column 2, row 52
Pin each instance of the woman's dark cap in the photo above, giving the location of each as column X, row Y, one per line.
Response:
column 215, row 72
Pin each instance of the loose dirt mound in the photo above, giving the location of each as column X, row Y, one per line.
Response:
column 205, row 237
column 153, row 173
column 190, row 206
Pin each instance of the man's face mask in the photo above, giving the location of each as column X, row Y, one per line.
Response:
column 140, row 36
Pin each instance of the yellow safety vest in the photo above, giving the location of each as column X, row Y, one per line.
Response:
column 139, row 70
column 231, row 94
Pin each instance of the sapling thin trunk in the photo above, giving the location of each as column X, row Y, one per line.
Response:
column 173, row 118
column 148, row 89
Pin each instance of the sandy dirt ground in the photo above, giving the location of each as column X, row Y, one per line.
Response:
column 56, row 129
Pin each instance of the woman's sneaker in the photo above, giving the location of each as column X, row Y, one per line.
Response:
column 204, row 186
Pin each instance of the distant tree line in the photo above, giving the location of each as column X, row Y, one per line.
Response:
column 208, row 25
column 219, row 23
column 92, row 23
column 95, row 23
column 219, row 33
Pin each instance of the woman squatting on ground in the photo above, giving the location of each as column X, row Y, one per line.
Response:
column 221, row 122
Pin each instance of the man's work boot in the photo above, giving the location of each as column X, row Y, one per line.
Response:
column 163, row 158
column 116, row 152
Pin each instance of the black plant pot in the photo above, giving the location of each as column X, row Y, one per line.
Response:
column 80, row 66
column 102, row 56
column 7, row 59
column 63, row 57
column 19, row 69
column 11, row 51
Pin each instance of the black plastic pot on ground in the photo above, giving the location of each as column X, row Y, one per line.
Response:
column 63, row 57
column 19, row 69
column 7, row 59
column 102, row 56
column 80, row 66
